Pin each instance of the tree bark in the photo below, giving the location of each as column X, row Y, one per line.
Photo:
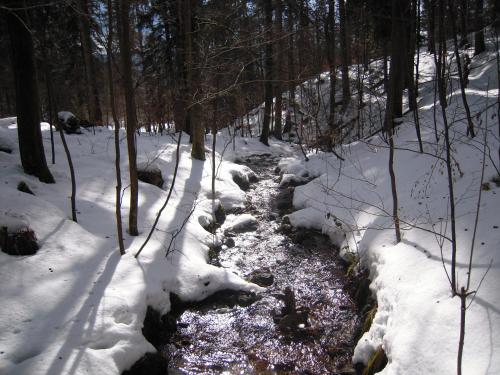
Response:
column 279, row 70
column 27, row 100
column 479, row 46
column 330, row 41
column 470, row 124
column 193, row 80
column 394, row 100
column 345, row 54
column 94, row 107
column 463, row 23
column 118, row 188
column 291, row 70
column 126, row 60
column 430, row 6
column 268, row 73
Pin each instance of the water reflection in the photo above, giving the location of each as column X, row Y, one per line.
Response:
column 259, row 339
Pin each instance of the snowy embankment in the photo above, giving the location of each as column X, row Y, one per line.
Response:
column 77, row 306
column 417, row 321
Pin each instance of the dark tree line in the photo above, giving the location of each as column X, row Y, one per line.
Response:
column 188, row 63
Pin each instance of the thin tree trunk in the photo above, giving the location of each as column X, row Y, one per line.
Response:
column 345, row 54
column 440, row 64
column 479, row 46
column 50, row 100
column 279, row 71
column 463, row 23
column 131, row 113
column 291, row 71
column 430, row 6
column 118, row 202
column 393, row 105
column 94, row 107
column 268, row 16
column 72, row 174
column 330, row 40
column 470, row 124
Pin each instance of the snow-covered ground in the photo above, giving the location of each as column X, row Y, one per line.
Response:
column 77, row 306
column 417, row 321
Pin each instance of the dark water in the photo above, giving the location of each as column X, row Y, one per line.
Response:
column 266, row 337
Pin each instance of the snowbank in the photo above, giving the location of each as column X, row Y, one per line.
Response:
column 77, row 306
column 417, row 321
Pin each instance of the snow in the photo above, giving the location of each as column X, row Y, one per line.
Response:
column 417, row 321
column 77, row 306
column 64, row 116
column 240, row 222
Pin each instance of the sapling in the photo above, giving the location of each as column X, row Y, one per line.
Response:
column 118, row 201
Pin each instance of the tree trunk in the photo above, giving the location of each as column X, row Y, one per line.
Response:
column 345, row 54
column 279, row 70
column 430, row 6
column 291, row 70
column 118, row 188
column 394, row 100
column 94, row 107
column 463, row 23
column 72, row 174
column 268, row 17
column 470, row 124
column 440, row 63
column 479, row 46
column 126, row 60
column 330, row 45
column 27, row 100
column 180, row 97
column 193, row 81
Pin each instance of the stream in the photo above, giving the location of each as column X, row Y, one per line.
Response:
column 305, row 321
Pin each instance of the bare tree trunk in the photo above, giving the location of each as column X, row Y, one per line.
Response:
column 118, row 201
column 131, row 113
column 470, row 125
column 268, row 17
column 479, row 46
column 345, row 54
column 430, row 6
column 413, row 79
column 463, row 23
column 393, row 105
column 193, row 81
column 291, row 71
column 180, row 98
column 27, row 99
column 440, row 63
column 94, row 107
column 463, row 309
column 330, row 41
column 72, row 174
column 279, row 71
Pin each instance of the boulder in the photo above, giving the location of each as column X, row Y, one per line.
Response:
column 68, row 122
column 284, row 200
column 261, row 277
column 241, row 181
column 243, row 223
column 18, row 241
column 220, row 214
column 23, row 186
column 150, row 174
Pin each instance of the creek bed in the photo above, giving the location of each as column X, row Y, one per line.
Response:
column 304, row 323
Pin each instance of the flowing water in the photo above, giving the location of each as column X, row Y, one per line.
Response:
column 303, row 323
